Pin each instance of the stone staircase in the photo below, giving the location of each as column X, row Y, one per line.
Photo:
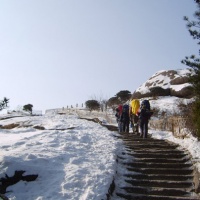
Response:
column 151, row 169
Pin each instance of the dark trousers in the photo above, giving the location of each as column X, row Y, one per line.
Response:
column 120, row 126
column 144, row 128
column 125, row 126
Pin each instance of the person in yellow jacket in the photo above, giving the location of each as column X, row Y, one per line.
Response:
column 133, row 113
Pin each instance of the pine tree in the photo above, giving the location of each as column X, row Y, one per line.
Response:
column 194, row 62
column 123, row 95
column 4, row 103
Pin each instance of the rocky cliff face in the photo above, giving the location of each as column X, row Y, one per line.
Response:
column 167, row 83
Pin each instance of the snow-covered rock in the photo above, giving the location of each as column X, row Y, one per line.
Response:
column 167, row 83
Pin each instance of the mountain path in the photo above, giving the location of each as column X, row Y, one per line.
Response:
column 155, row 169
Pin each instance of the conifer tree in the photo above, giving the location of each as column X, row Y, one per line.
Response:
column 194, row 62
column 123, row 95
column 4, row 103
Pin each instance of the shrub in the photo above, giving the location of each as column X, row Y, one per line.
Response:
column 195, row 116
column 28, row 107
column 92, row 105
column 159, row 91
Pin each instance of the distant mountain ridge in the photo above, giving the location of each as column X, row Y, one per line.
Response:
column 167, row 83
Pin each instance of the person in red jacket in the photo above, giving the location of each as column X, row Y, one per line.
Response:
column 118, row 116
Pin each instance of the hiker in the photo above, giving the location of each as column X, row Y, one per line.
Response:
column 117, row 115
column 120, row 107
column 133, row 114
column 124, row 118
column 144, row 117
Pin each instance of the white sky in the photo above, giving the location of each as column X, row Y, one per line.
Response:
column 59, row 53
column 72, row 164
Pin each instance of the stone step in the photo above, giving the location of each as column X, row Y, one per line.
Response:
column 110, row 127
column 153, row 160
column 160, row 184
column 168, row 152
column 155, row 191
column 161, row 171
column 156, row 155
column 159, row 177
column 135, row 141
column 157, row 165
column 160, row 160
column 121, row 196
column 132, row 140
column 145, row 146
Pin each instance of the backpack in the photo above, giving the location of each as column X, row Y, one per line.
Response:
column 125, row 108
column 125, row 113
column 146, row 109
column 145, row 105
column 135, row 105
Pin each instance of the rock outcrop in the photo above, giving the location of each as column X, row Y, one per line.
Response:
column 167, row 83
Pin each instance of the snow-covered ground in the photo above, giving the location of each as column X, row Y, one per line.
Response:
column 74, row 158
column 76, row 163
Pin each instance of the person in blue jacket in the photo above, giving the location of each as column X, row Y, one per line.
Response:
column 125, row 119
